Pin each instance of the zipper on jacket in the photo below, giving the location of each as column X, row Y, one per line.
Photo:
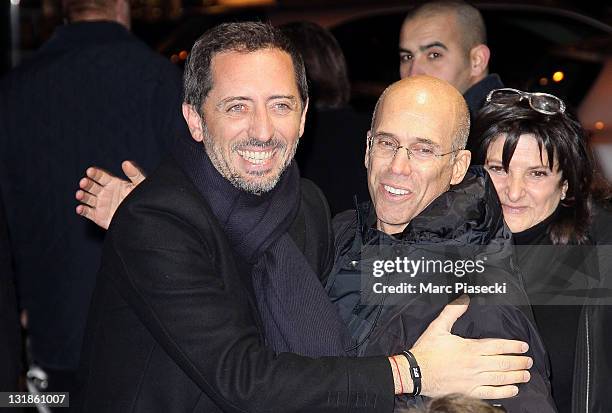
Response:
column 588, row 356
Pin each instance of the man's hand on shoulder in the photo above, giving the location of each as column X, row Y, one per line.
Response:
column 101, row 193
column 485, row 368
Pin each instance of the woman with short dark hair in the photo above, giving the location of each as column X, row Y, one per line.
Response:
column 536, row 155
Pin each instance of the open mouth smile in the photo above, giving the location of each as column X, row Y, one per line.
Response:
column 256, row 157
column 395, row 191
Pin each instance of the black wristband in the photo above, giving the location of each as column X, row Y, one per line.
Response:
column 415, row 373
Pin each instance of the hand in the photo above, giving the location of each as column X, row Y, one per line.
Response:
column 479, row 368
column 101, row 192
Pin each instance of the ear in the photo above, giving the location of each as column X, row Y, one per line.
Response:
column 564, row 187
column 479, row 61
column 123, row 13
column 366, row 160
column 303, row 118
column 194, row 122
column 460, row 166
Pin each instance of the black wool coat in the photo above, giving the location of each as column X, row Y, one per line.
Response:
column 174, row 326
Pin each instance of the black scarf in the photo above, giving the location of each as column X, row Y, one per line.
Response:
column 295, row 311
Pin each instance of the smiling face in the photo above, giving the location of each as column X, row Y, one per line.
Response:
column 529, row 191
column 417, row 110
column 431, row 45
column 252, row 117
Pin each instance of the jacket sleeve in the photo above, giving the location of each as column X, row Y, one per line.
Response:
column 509, row 322
column 172, row 273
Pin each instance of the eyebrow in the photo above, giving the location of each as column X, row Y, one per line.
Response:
column 426, row 47
column 289, row 97
column 385, row 135
column 419, row 140
column 529, row 168
column 428, row 142
column 232, row 99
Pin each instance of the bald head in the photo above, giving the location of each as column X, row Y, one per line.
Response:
column 447, row 40
column 415, row 148
column 426, row 95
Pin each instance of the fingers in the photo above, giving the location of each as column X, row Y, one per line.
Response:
column 491, row 392
column 133, row 172
column 85, row 211
column 90, row 186
column 99, row 175
column 503, row 363
column 86, row 198
column 504, row 378
column 450, row 313
column 494, row 346
column 90, row 213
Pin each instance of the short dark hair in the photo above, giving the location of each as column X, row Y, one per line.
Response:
column 471, row 23
column 324, row 61
column 563, row 139
column 244, row 37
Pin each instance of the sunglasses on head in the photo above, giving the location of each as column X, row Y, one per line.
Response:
column 540, row 102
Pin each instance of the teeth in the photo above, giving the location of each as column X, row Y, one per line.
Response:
column 256, row 158
column 395, row 191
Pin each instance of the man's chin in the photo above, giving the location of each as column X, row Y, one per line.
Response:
column 256, row 182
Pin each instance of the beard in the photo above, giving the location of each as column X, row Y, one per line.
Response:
column 224, row 166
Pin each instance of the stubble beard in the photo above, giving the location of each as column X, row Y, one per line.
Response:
column 224, row 166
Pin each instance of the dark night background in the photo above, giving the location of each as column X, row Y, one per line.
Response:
column 27, row 23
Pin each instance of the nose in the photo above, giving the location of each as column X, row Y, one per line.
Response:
column 417, row 67
column 261, row 126
column 515, row 188
column 400, row 163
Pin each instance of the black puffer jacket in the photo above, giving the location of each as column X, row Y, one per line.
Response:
column 464, row 222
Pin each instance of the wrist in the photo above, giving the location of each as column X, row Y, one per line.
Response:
column 415, row 373
column 401, row 374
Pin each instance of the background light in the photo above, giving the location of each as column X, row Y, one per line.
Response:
column 558, row 76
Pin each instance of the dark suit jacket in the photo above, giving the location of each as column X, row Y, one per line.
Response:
column 92, row 95
column 174, row 325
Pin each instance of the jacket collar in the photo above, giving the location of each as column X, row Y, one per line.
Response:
column 468, row 212
column 476, row 95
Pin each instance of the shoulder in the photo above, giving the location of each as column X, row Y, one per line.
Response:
column 601, row 223
column 344, row 221
column 165, row 208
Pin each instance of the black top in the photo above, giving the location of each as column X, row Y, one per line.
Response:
column 465, row 221
column 557, row 324
column 93, row 95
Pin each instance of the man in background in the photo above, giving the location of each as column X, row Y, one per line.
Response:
column 93, row 94
column 448, row 40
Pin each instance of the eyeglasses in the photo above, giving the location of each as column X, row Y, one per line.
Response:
column 540, row 102
column 387, row 147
